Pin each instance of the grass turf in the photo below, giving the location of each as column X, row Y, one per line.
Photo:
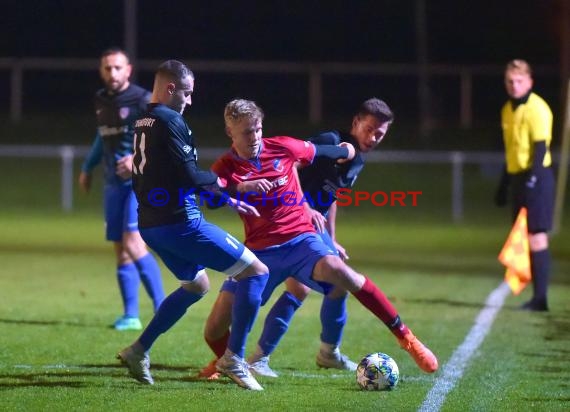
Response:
column 60, row 296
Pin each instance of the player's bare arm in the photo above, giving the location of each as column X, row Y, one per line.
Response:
column 85, row 182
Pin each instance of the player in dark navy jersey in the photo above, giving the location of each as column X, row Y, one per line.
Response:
column 117, row 106
column 166, row 178
column 283, row 236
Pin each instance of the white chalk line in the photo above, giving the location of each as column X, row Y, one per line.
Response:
column 453, row 370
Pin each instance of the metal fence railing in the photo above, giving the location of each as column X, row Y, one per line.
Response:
column 463, row 77
column 456, row 159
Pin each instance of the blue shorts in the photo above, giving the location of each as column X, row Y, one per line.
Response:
column 120, row 206
column 187, row 248
column 297, row 259
column 539, row 200
column 326, row 237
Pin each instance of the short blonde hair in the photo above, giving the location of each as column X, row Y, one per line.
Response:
column 238, row 109
column 519, row 65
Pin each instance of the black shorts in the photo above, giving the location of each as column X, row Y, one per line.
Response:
column 539, row 200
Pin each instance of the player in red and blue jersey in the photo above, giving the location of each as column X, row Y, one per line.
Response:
column 166, row 179
column 262, row 171
column 320, row 182
column 117, row 105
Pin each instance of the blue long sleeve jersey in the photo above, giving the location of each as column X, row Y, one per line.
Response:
column 325, row 176
column 116, row 114
column 166, row 176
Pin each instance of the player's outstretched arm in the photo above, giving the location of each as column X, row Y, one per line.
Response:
column 343, row 152
column 351, row 152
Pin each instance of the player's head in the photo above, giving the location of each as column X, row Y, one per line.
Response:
column 115, row 69
column 518, row 78
column 371, row 123
column 244, row 124
column 173, row 85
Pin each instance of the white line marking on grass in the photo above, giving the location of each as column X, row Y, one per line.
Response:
column 56, row 366
column 453, row 370
column 314, row 376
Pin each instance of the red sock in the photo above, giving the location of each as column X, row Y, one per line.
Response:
column 219, row 346
column 376, row 302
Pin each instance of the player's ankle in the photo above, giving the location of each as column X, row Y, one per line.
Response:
column 138, row 347
column 257, row 355
column 329, row 348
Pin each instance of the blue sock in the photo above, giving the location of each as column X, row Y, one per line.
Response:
column 128, row 278
column 277, row 321
column 244, row 311
column 150, row 275
column 172, row 309
column 333, row 319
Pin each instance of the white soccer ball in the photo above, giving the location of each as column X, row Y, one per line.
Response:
column 377, row 372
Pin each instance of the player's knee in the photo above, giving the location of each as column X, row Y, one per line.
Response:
column 134, row 245
column 123, row 257
column 256, row 268
column 259, row 267
column 333, row 270
column 199, row 286
column 330, row 269
column 538, row 241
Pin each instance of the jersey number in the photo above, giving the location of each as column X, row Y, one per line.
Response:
column 138, row 168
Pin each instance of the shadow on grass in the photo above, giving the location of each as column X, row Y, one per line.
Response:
column 67, row 375
column 51, row 323
column 43, row 384
column 447, row 302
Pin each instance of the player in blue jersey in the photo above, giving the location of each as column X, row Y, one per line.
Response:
column 284, row 238
column 117, row 105
column 166, row 179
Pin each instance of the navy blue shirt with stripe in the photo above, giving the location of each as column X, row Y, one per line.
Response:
column 324, row 177
column 166, row 177
column 116, row 113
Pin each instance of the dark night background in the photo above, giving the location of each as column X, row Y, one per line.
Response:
column 488, row 32
column 483, row 31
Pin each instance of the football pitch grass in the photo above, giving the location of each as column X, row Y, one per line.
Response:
column 59, row 296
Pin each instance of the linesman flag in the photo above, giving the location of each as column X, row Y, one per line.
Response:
column 516, row 256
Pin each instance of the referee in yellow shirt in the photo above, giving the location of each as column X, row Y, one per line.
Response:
column 527, row 131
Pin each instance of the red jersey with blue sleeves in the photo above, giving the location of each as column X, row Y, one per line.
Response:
column 282, row 214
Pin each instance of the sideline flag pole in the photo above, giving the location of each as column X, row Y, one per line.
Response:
column 515, row 255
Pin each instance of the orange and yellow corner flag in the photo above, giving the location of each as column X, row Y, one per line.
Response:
column 516, row 256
